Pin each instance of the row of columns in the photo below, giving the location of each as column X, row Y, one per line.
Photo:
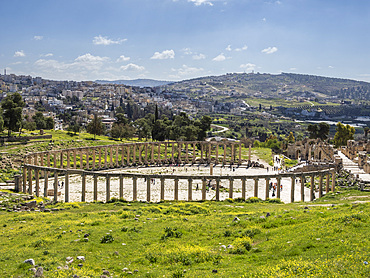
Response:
column 120, row 155
column 27, row 173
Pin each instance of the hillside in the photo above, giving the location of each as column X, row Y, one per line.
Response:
column 136, row 82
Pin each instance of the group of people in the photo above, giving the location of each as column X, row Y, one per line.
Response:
column 273, row 186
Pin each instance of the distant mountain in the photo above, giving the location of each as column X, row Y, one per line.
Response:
column 136, row 82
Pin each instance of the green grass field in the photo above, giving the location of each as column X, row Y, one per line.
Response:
column 191, row 239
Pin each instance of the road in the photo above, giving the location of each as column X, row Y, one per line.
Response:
column 222, row 128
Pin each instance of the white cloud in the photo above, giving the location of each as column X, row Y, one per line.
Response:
column 264, row 19
column 242, row 48
column 166, row 54
column 219, row 58
column 100, row 40
column 330, row 67
column 19, row 54
column 201, row 2
column 270, row 50
column 248, row 66
column 185, row 71
column 132, row 67
column 123, row 58
column 38, row 38
column 228, row 48
column 199, row 56
column 293, row 69
column 47, row 55
column 187, row 51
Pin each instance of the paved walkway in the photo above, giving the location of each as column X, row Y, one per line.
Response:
column 349, row 165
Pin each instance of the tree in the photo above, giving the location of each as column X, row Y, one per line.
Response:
column 318, row 131
column 343, row 134
column 122, row 131
column 366, row 131
column 49, row 121
column 39, row 119
column 291, row 138
column 95, row 127
column 12, row 106
column 143, row 128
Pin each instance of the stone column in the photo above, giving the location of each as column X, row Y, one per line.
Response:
column 232, row 153
column 100, row 155
column 148, row 189
column 159, row 161
column 217, row 189
column 186, row 152
column 216, row 153
column 55, row 160
column 267, row 196
column 190, row 189
column 111, row 157
column 74, row 159
column 55, row 186
column 231, row 187
column 81, row 159
column 24, row 179
column 46, row 183
column 224, row 159
column 152, row 154
column 123, row 155
column 302, row 188
column 201, row 152
column 204, row 189
column 68, row 159
column 61, row 159
column 240, row 153
column 165, row 152
column 66, row 187
column 256, row 187
column 179, row 146
column 17, row 183
column 128, row 154
column 120, row 186
column 146, row 154
column 35, row 160
column 106, row 157
column 176, row 189
column 41, row 159
column 211, row 170
column 140, row 153
column 312, row 192
column 83, row 195
column 327, row 189
column 117, row 156
column 30, row 191
column 278, row 187
column 333, row 181
column 193, row 160
column 95, row 187
column 292, row 189
column 93, row 158
column 209, row 152
column 162, row 189
column 87, row 158
column 320, row 185
column 250, row 152
column 243, row 188
column 48, row 159
column 134, row 189
column 309, row 154
column 107, row 188
column 37, row 182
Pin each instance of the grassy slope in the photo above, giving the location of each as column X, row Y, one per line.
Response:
column 293, row 241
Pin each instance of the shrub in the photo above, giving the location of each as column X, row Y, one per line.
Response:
column 171, row 232
column 107, row 239
column 227, row 233
column 241, row 245
column 251, row 232
column 254, row 200
column 275, row 201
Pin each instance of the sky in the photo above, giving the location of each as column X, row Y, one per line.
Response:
column 182, row 39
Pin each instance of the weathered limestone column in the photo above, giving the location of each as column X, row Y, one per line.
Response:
column 93, row 158
column 55, row 186
column 320, row 185
column 152, row 154
column 117, row 156
column 134, row 154
column 333, row 181
column 312, row 192
column 232, row 152
column 87, row 158
column 201, row 152
column 162, row 189
column 68, row 159
column 81, row 159
column 302, row 188
column 217, row 189
column 100, row 155
column 107, row 185
column 148, row 189
column 106, row 157
column 267, row 188
column 231, row 187
column 55, row 160
column 146, row 154
column 240, row 153
column 256, row 187
column 140, row 153
column 46, row 183
column 292, row 189
column 194, row 154
column 250, row 152
column 179, row 146
column 128, row 155
column 224, row 159
column 176, row 189
column 309, row 154
column 204, row 189
column 35, row 159
column 186, row 152
column 209, row 152
column 41, row 159
column 66, row 187
column 243, row 188
column 24, row 179
column 74, row 159
column 159, row 161
column 190, row 189
column 61, row 159
column 30, row 191
column 211, row 170
column 165, row 152
column 327, row 189
column 216, row 153
column 121, row 187
column 111, row 156
column 48, row 159
column 95, row 187
column 37, row 182
column 83, row 195
column 278, row 187
column 134, row 189
column 123, row 155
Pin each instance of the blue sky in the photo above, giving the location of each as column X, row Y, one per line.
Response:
column 182, row 39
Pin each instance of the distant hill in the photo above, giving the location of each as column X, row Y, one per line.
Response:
column 136, row 82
